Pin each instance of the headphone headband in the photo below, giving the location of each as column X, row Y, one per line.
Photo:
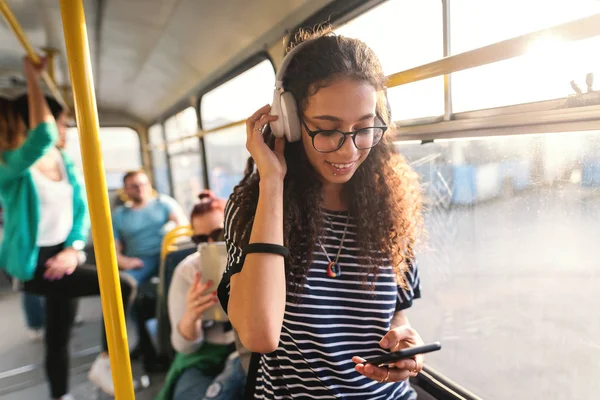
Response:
column 284, row 64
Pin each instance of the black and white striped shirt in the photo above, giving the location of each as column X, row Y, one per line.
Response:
column 335, row 320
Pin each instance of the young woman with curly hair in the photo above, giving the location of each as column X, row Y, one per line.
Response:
column 321, row 233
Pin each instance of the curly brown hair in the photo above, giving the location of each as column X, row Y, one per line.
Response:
column 383, row 196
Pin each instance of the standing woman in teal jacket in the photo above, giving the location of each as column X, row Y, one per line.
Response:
column 46, row 224
column 33, row 305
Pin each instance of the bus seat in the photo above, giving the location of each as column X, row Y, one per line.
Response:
column 163, row 330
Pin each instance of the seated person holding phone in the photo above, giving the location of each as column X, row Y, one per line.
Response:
column 206, row 365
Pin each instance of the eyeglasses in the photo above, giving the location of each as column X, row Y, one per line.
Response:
column 328, row 141
column 215, row 236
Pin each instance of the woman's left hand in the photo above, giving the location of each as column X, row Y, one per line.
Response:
column 64, row 263
column 397, row 339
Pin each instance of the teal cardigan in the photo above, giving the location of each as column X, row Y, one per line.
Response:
column 18, row 251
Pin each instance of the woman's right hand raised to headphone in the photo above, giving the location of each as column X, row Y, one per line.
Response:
column 270, row 163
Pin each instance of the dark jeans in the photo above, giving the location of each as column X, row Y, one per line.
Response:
column 60, row 312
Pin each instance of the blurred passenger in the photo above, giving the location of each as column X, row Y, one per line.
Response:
column 203, row 347
column 33, row 305
column 46, row 215
column 321, row 233
column 139, row 227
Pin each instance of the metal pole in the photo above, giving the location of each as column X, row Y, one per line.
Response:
column 447, row 53
column 82, row 82
column 20, row 35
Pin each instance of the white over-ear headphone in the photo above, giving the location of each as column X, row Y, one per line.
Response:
column 284, row 104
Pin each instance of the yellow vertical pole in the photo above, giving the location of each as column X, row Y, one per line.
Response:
column 82, row 82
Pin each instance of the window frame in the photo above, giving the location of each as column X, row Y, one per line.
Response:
column 163, row 135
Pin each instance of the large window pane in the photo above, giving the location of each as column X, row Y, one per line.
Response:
column 476, row 23
column 160, row 167
column 187, row 179
column 239, row 97
column 385, row 29
column 120, row 150
column 544, row 73
column 226, row 156
column 510, row 266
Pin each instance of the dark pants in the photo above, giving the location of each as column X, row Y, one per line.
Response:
column 60, row 311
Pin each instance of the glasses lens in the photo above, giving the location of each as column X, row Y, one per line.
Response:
column 368, row 137
column 327, row 141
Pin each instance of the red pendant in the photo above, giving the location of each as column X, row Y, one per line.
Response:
column 333, row 270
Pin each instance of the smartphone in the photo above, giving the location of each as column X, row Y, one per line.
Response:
column 213, row 259
column 390, row 359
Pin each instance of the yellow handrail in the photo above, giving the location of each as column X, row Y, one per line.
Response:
column 202, row 133
column 80, row 67
column 20, row 35
column 166, row 247
column 171, row 236
column 570, row 31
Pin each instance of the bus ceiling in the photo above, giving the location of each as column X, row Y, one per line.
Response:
column 147, row 55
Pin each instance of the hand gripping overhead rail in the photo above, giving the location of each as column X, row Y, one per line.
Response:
column 20, row 35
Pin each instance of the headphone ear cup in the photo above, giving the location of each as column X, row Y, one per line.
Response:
column 289, row 108
column 277, row 127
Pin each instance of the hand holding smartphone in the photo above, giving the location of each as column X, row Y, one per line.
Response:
column 389, row 360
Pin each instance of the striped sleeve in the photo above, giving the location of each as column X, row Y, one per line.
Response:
column 234, row 254
column 407, row 295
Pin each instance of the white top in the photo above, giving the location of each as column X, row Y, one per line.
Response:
column 212, row 332
column 56, row 207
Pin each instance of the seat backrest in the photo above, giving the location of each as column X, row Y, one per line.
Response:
column 171, row 261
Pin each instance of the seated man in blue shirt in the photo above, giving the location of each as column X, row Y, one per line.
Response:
column 140, row 225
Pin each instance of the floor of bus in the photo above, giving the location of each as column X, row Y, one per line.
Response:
column 21, row 358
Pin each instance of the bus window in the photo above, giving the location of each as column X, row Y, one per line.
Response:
column 187, row 179
column 235, row 100
column 120, row 150
column 186, row 160
column 397, row 20
column 158, row 151
column 544, row 73
column 179, row 126
column 239, row 97
column 226, row 155
column 509, row 265
column 489, row 19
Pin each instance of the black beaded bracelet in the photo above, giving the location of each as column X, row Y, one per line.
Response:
column 266, row 248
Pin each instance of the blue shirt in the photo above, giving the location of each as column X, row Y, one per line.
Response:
column 140, row 230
